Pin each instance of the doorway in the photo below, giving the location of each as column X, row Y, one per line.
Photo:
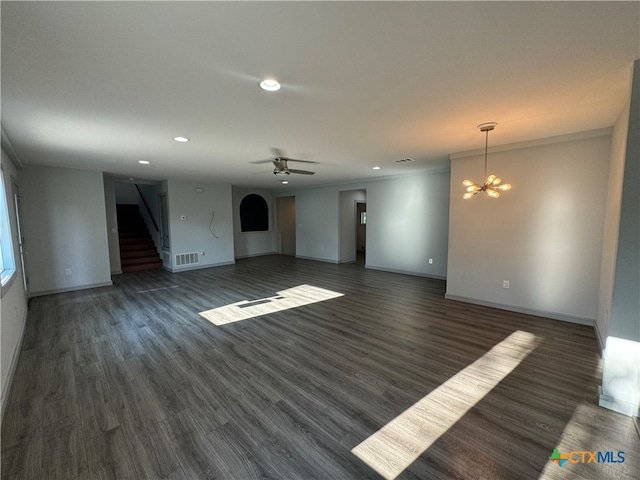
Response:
column 351, row 240
column 361, row 232
column 286, row 225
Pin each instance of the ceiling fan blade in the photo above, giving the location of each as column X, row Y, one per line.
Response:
column 260, row 173
column 301, row 161
column 270, row 160
column 302, row 172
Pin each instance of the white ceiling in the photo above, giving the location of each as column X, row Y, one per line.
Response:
column 101, row 85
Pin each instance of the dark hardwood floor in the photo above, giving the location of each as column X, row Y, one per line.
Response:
column 129, row 381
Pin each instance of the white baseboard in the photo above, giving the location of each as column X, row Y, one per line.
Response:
column 404, row 272
column 620, row 406
column 197, row 267
column 70, row 289
column 325, row 260
column 256, row 255
column 529, row 311
column 12, row 367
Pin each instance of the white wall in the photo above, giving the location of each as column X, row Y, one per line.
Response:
column 13, row 300
column 544, row 236
column 193, row 235
column 348, row 201
column 112, row 224
column 65, row 227
column 251, row 244
column 407, row 222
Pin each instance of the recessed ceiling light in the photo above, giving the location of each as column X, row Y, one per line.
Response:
column 270, row 85
column 143, row 162
column 284, row 182
column 181, row 139
column 376, row 168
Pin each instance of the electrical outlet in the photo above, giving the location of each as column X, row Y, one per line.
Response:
column 431, row 261
column 67, row 271
column 505, row 284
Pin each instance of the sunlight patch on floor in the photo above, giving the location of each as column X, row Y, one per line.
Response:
column 290, row 298
column 394, row 447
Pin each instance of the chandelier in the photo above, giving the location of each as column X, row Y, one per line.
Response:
column 492, row 184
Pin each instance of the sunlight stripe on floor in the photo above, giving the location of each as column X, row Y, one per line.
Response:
column 285, row 299
column 394, row 447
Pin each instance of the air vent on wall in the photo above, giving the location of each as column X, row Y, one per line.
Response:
column 404, row 160
column 187, row 259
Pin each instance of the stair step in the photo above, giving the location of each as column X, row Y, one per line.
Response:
column 133, row 233
column 142, row 267
column 137, row 250
column 137, row 260
column 138, row 253
column 136, row 240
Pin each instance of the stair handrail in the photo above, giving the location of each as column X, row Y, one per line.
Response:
column 144, row 202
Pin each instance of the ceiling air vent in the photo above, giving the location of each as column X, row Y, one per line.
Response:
column 404, row 160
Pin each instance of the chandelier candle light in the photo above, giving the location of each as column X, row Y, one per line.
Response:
column 492, row 184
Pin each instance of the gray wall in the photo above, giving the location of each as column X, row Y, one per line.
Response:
column 65, row 227
column 192, row 234
column 13, row 303
column 251, row 244
column 407, row 222
column 126, row 193
column 544, row 236
column 621, row 372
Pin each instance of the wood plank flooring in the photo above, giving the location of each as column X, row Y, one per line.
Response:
column 130, row 382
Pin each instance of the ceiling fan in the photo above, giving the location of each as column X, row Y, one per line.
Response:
column 281, row 164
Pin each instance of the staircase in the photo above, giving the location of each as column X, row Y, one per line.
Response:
column 137, row 251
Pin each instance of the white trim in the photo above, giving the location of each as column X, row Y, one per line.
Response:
column 197, row 267
column 70, row 289
column 12, row 368
column 315, row 259
column 599, row 337
column 256, row 254
column 620, row 406
column 529, row 311
column 601, row 132
column 404, row 272
column 8, row 149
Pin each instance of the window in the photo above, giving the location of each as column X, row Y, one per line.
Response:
column 254, row 214
column 7, row 263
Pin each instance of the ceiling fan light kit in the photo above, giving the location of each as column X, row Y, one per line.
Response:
column 281, row 164
column 493, row 184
